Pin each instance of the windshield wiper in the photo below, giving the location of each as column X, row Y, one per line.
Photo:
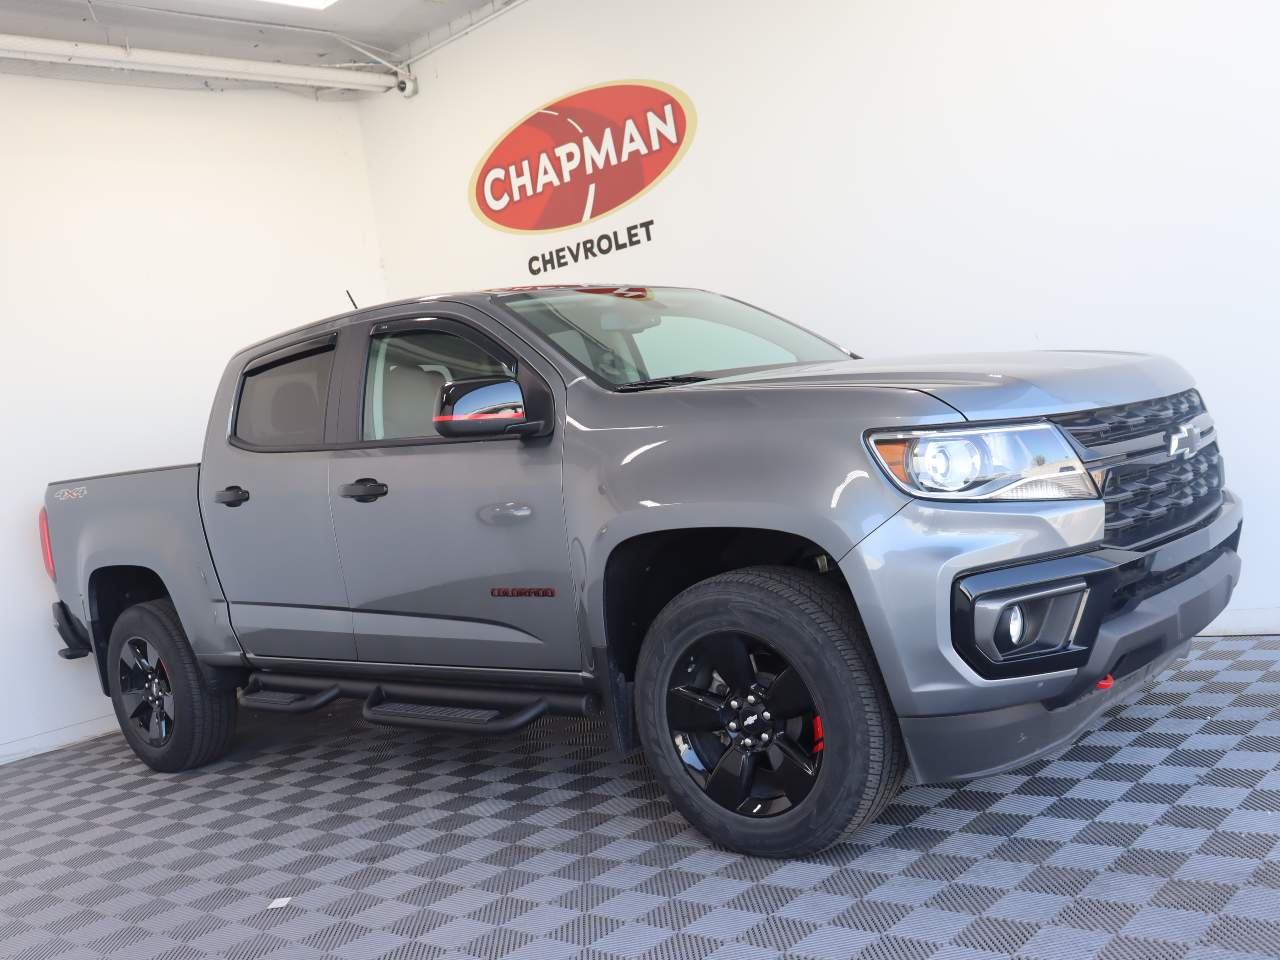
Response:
column 657, row 382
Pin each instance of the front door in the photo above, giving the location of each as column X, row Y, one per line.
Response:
column 264, row 497
column 462, row 559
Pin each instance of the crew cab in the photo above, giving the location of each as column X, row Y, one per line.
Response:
column 722, row 533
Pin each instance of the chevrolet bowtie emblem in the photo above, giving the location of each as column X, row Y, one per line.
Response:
column 1185, row 441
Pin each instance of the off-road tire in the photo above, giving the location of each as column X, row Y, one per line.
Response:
column 816, row 628
column 204, row 720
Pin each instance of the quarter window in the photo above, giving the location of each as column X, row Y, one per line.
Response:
column 282, row 405
column 405, row 374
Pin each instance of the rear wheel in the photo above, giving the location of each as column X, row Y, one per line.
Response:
column 168, row 714
column 762, row 713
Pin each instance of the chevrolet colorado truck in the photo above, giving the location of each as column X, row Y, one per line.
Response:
column 726, row 534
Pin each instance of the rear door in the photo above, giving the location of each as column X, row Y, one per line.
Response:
column 464, row 561
column 264, row 497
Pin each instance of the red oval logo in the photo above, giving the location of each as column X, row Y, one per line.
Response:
column 582, row 156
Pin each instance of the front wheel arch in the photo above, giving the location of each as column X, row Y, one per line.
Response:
column 645, row 572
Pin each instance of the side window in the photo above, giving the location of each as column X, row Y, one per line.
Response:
column 405, row 374
column 283, row 404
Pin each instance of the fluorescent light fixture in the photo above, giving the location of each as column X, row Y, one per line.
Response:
column 42, row 50
column 308, row 4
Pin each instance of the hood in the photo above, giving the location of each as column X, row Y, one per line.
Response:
column 998, row 386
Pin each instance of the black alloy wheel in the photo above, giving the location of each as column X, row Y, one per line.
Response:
column 146, row 692
column 737, row 681
column 744, row 725
column 174, row 714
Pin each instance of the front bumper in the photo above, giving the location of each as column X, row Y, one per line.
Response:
column 958, row 724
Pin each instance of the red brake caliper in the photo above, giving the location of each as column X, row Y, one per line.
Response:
column 817, row 734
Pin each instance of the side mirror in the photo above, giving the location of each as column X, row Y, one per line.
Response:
column 479, row 408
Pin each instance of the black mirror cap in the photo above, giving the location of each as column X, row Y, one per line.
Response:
column 487, row 406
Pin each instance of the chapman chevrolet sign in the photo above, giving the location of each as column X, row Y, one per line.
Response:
column 581, row 157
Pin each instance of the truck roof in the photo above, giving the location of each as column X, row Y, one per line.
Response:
column 474, row 297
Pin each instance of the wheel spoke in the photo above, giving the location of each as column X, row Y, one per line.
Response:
column 132, row 659
column 788, row 696
column 153, row 725
column 690, row 710
column 795, row 771
column 131, row 700
column 729, row 657
column 166, row 704
column 730, row 781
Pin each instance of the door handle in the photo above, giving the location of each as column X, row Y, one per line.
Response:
column 232, row 496
column 364, row 490
column 504, row 514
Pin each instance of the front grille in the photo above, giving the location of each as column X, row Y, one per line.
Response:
column 1111, row 424
column 1149, row 495
column 1144, row 502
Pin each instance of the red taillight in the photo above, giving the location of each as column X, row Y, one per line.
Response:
column 45, row 546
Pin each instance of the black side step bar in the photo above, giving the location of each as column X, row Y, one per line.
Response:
column 426, row 716
column 445, row 707
column 286, row 701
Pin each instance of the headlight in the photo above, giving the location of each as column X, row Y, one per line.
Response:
column 1030, row 461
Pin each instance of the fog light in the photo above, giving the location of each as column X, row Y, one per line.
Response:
column 1029, row 623
column 1017, row 626
column 1013, row 629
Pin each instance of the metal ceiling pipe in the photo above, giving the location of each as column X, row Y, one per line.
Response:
column 41, row 50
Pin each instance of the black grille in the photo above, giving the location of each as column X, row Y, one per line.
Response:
column 1144, row 502
column 1110, row 424
column 1148, row 500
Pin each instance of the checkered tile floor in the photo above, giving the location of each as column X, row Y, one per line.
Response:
column 1156, row 836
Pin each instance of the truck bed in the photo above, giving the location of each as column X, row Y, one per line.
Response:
column 103, row 525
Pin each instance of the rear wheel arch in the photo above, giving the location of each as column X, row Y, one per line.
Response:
column 113, row 590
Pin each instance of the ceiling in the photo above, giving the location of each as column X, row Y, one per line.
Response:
column 390, row 30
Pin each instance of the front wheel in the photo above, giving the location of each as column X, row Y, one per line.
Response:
column 762, row 713
column 170, row 717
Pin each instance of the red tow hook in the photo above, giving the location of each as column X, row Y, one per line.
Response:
column 1107, row 682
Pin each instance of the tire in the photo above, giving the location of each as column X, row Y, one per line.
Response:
column 786, row 618
column 169, row 715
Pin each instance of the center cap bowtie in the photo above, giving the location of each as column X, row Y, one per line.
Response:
column 752, row 725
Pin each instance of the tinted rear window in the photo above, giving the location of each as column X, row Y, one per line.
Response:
column 283, row 405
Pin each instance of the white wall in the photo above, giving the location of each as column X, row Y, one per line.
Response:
column 910, row 176
column 904, row 176
column 145, row 235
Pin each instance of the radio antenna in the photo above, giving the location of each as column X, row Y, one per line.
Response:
column 353, row 301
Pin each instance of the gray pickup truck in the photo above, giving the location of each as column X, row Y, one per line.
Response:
column 724, row 533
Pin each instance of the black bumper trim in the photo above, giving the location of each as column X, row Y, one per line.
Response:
column 1118, row 582
column 974, row 745
column 1132, row 646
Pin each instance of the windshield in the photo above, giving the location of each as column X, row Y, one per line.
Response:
column 635, row 335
